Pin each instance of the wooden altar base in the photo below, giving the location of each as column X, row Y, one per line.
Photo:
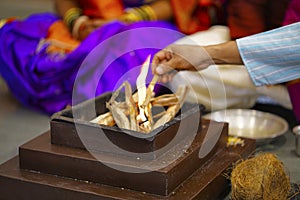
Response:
column 158, row 176
column 207, row 182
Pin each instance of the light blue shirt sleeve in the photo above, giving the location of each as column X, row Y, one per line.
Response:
column 272, row 57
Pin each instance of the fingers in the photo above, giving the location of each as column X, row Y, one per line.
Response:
column 162, row 65
column 167, row 77
column 178, row 58
column 160, row 62
column 160, row 57
column 162, row 69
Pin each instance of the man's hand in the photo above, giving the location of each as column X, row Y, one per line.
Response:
column 193, row 58
column 179, row 57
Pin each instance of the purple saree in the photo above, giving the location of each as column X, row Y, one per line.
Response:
column 45, row 81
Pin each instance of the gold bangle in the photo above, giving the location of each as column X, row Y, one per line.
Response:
column 136, row 14
column 77, row 25
column 142, row 13
column 71, row 15
column 149, row 12
column 130, row 17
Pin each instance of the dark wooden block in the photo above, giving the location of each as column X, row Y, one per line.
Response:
column 71, row 127
column 169, row 171
column 207, row 183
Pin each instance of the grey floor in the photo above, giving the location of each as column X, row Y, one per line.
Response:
column 23, row 8
column 18, row 124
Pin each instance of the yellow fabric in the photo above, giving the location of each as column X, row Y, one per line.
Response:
column 5, row 21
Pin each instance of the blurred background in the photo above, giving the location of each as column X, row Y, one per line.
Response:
column 18, row 124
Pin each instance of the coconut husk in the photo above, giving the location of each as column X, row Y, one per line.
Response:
column 262, row 177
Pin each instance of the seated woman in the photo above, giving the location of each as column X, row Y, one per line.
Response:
column 83, row 17
column 44, row 58
column 41, row 55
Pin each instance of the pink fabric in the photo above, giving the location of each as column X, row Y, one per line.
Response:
column 292, row 14
column 294, row 91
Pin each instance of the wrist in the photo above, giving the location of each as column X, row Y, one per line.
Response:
column 225, row 53
column 215, row 53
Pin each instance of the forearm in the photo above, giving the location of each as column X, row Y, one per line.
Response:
column 162, row 9
column 226, row 53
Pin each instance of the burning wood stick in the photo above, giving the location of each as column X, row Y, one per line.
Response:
column 136, row 112
column 173, row 109
column 118, row 114
column 142, row 118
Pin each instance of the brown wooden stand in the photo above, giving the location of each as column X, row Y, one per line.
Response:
column 47, row 171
